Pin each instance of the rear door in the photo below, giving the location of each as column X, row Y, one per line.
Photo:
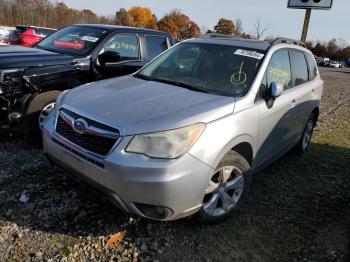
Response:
column 155, row 45
column 302, row 92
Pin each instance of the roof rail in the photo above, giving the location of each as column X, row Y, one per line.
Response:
column 217, row 35
column 281, row 40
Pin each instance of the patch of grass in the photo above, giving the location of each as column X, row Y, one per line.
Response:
column 298, row 209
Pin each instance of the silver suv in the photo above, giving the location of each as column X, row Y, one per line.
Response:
column 184, row 135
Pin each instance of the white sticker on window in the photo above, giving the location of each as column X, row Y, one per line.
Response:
column 248, row 53
column 90, row 39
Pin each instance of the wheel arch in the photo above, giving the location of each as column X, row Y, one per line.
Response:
column 316, row 113
column 245, row 150
column 244, row 145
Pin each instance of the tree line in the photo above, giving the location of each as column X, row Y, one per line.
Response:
column 333, row 49
column 46, row 13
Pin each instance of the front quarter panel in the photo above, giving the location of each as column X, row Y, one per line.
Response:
column 222, row 135
column 58, row 77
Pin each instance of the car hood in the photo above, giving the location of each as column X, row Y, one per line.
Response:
column 137, row 106
column 19, row 56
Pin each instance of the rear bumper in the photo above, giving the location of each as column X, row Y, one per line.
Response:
column 132, row 180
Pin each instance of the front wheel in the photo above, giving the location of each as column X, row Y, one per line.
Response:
column 37, row 111
column 227, row 189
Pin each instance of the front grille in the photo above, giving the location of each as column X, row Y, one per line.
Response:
column 91, row 160
column 93, row 143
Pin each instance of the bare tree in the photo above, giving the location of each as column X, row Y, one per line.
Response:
column 239, row 26
column 259, row 29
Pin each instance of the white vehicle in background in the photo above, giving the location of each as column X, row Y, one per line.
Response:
column 5, row 35
column 334, row 64
column 323, row 61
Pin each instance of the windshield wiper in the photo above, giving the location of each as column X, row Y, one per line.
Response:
column 144, row 77
column 172, row 82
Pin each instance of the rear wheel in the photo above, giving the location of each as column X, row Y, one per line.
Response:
column 305, row 139
column 227, row 189
column 37, row 111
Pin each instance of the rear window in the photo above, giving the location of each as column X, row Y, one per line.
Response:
column 312, row 66
column 43, row 31
column 156, row 45
column 300, row 70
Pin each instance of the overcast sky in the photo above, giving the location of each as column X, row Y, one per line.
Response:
column 272, row 13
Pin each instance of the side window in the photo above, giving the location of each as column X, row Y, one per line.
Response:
column 300, row 71
column 126, row 45
column 277, row 71
column 156, row 45
column 312, row 66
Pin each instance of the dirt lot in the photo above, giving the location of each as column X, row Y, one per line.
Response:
column 299, row 209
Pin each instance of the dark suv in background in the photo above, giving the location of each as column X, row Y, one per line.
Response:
column 32, row 78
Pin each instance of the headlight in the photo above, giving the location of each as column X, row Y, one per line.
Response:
column 10, row 81
column 11, row 75
column 167, row 144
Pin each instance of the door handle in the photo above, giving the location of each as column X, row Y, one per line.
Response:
column 293, row 103
column 312, row 92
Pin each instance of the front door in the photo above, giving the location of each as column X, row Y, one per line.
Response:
column 276, row 122
column 125, row 47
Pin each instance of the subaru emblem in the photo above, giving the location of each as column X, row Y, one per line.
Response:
column 80, row 125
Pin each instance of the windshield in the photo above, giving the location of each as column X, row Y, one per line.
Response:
column 211, row 68
column 74, row 40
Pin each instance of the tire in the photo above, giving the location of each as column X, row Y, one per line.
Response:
column 302, row 146
column 35, row 107
column 239, row 181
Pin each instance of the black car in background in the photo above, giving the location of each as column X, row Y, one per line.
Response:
column 32, row 78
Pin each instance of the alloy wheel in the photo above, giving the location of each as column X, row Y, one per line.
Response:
column 224, row 191
column 308, row 134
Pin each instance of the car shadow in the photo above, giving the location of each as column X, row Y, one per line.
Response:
column 344, row 72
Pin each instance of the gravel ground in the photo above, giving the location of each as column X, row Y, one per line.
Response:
column 298, row 210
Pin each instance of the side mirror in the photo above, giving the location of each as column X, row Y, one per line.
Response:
column 276, row 90
column 109, row 57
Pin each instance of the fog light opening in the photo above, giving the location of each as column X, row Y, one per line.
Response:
column 154, row 212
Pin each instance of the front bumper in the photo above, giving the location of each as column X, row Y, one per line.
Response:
column 133, row 181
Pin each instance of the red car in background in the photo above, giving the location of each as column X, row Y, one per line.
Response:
column 29, row 35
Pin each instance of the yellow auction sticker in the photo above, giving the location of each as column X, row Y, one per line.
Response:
column 239, row 78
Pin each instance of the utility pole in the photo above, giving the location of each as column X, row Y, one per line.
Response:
column 306, row 24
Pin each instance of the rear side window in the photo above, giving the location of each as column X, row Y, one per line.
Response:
column 278, row 71
column 312, row 66
column 156, row 45
column 300, row 70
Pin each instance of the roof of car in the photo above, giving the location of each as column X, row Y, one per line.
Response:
column 33, row 26
column 119, row 27
column 247, row 43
